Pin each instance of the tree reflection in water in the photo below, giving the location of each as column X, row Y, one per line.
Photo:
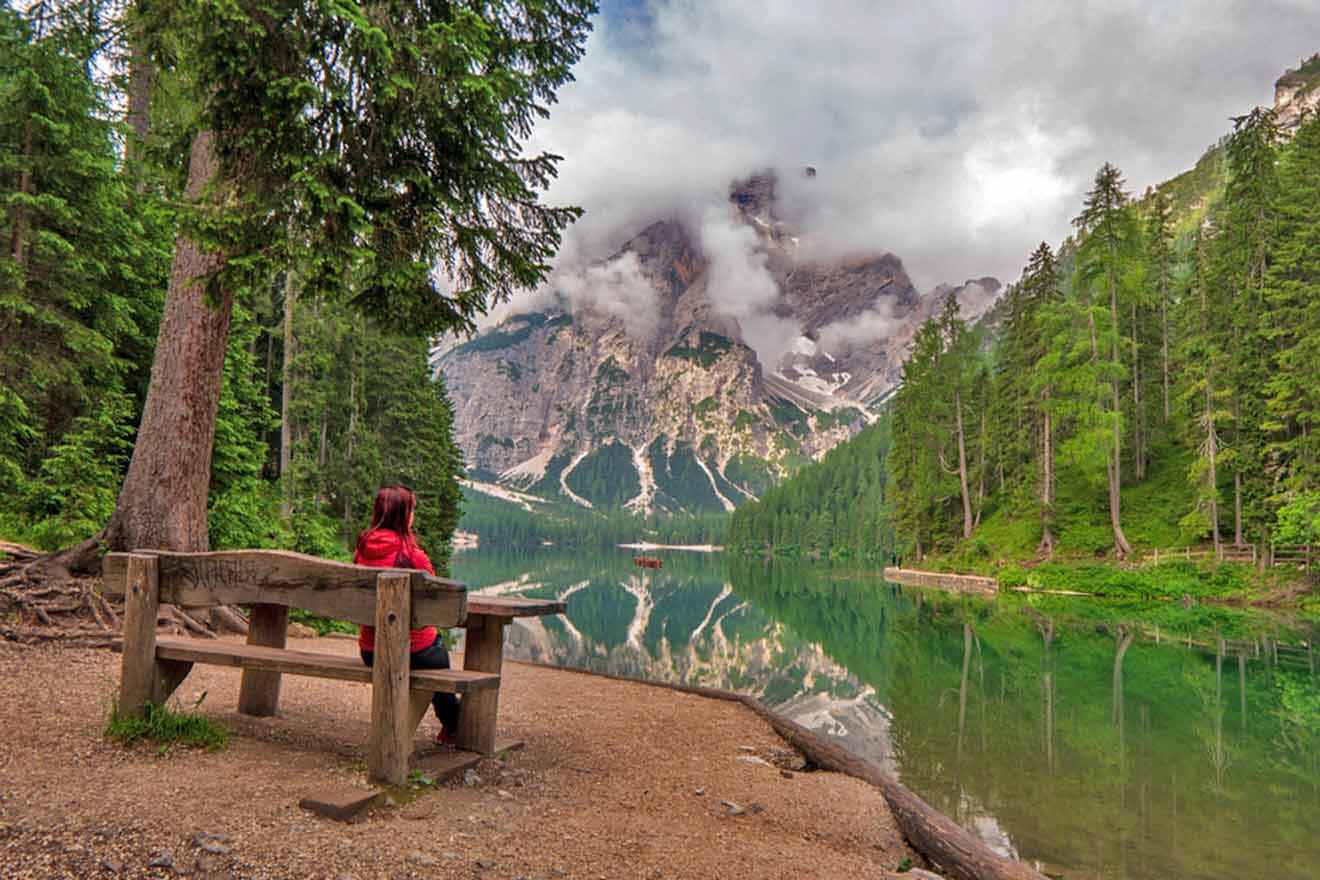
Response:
column 1101, row 738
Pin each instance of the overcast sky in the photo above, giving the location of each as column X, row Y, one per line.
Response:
column 955, row 134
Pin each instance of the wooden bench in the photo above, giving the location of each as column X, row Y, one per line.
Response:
column 272, row 582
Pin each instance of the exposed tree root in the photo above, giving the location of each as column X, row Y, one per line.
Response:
column 43, row 599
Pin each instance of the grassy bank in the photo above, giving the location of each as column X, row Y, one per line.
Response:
column 1006, row 544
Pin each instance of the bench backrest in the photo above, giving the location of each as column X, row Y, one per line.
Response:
column 275, row 577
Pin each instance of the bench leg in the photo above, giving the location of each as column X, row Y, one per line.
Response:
column 483, row 651
column 259, row 693
column 418, row 703
column 391, row 738
column 137, row 670
column 169, row 675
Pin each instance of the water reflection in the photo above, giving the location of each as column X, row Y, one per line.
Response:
column 1102, row 741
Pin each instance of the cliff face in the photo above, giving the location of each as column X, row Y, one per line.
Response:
column 1297, row 93
column 641, row 386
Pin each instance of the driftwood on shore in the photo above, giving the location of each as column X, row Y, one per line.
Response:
column 953, row 583
column 946, row 844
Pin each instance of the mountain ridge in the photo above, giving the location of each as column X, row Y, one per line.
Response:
column 691, row 369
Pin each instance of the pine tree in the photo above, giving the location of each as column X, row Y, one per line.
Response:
column 1242, row 263
column 1292, row 296
column 1108, row 239
column 1159, row 278
column 1040, row 285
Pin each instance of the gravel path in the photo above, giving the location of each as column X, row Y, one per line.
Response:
column 617, row 780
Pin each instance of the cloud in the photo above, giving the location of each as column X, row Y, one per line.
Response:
column 956, row 135
column 875, row 323
column 740, row 286
column 616, row 288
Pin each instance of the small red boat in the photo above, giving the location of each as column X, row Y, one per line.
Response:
column 647, row 562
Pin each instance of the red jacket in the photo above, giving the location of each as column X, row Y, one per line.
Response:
column 379, row 548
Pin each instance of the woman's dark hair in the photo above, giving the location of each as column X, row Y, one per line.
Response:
column 393, row 506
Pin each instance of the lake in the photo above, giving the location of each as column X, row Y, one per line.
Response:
column 1095, row 739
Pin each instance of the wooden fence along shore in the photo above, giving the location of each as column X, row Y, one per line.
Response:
column 1299, row 556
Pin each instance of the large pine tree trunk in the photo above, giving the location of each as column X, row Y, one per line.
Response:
column 962, row 465
column 163, row 500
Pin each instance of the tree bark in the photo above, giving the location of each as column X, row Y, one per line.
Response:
column 162, row 504
column 962, row 465
column 140, row 76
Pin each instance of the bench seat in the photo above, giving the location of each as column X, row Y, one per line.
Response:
column 315, row 664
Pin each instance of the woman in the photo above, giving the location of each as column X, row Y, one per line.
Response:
column 390, row 543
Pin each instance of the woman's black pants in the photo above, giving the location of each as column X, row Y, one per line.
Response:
column 434, row 657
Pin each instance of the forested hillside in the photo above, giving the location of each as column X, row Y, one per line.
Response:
column 1153, row 381
column 838, row 506
column 204, row 176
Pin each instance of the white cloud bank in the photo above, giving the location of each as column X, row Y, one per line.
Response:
column 956, row 135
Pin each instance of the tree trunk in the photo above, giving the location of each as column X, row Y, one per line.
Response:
column 140, row 75
column 286, row 396
column 1212, row 454
column 1237, row 507
column 162, row 504
column 1046, row 545
column 18, row 225
column 1138, row 422
column 1164, row 340
column 962, row 465
column 1121, row 545
column 980, row 471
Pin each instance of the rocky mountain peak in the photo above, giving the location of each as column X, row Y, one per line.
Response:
column 1297, row 93
column 642, row 388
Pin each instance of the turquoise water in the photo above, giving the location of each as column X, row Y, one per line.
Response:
column 1097, row 740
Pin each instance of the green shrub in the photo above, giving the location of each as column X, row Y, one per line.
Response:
column 167, row 727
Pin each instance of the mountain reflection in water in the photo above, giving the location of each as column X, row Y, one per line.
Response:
column 1099, row 740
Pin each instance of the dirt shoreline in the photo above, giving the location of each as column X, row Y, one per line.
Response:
column 606, row 787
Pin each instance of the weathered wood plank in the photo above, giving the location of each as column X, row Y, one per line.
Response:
column 483, row 651
column 259, row 692
column 345, row 802
column 169, row 675
column 388, row 748
column 314, row 664
column 418, row 703
column 293, row 580
column 137, row 669
column 510, row 607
